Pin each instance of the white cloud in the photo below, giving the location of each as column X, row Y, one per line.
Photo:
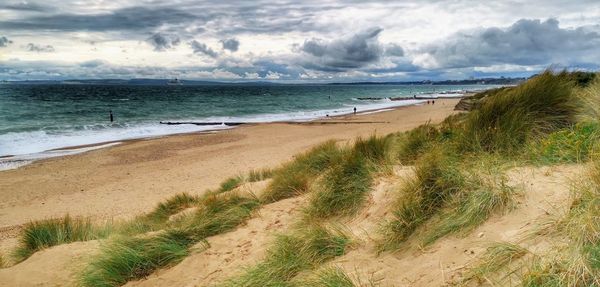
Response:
column 233, row 39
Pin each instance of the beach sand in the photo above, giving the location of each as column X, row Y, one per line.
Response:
column 131, row 178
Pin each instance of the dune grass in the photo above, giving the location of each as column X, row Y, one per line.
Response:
column 42, row 234
column 484, row 193
column 328, row 277
column 304, row 249
column 373, row 149
column 500, row 257
column 231, row 183
column 126, row 258
column 436, row 179
column 416, row 142
column 158, row 218
column 505, row 122
column 572, row 261
column 294, row 177
column 342, row 189
column 260, row 174
column 344, row 186
column 571, row 145
column 576, row 263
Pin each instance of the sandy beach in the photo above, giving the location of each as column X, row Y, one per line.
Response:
column 130, row 178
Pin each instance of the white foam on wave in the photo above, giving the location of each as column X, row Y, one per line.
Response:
column 17, row 161
column 26, row 147
column 22, row 143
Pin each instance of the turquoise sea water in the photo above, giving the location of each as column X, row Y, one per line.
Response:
column 36, row 118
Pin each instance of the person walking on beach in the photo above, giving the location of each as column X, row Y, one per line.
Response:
column 111, row 116
column 433, row 102
column 355, row 110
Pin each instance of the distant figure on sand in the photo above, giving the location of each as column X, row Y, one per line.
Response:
column 111, row 116
column 432, row 102
column 355, row 110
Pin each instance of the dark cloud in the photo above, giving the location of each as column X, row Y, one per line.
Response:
column 356, row 51
column 202, row 49
column 31, row 47
column 162, row 42
column 526, row 42
column 4, row 41
column 230, row 44
column 92, row 64
column 394, row 50
column 132, row 18
column 25, row 6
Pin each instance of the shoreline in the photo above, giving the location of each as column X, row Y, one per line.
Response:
column 129, row 178
column 19, row 161
column 29, row 144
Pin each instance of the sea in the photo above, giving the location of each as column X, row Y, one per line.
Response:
column 40, row 120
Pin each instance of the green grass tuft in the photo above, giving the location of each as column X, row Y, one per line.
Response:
column 506, row 121
column 343, row 188
column 231, row 183
column 260, row 174
column 329, row 277
column 374, row 149
column 416, row 142
column 498, row 257
column 294, row 177
column 302, row 250
column 42, row 234
column 125, row 259
column 436, row 179
column 128, row 258
column 482, row 195
column 571, row 145
column 575, row 264
column 158, row 218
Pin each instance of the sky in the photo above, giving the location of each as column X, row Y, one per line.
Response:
column 295, row 41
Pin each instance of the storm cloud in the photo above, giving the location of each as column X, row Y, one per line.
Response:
column 31, row 47
column 230, row 44
column 201, row 48
column 162, row 42
column 526, row 42
column 131, row 18
column 356, row 51
column 4, row 41
column 296, row 40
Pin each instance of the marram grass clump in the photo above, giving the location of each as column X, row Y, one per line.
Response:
column 436, row 179
column 304, row 249
column 231, row 183
column 506, row 121
column 42, row 234
column 126, row 258
column 327, row 277
column 343, row 188
column 499, row 265
column 373, row 149
column 485, row 192
column 158, row 218
column 416, row 142
column 294, row 177
column 260, row 174
column 570, row 145
column 576, row 262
